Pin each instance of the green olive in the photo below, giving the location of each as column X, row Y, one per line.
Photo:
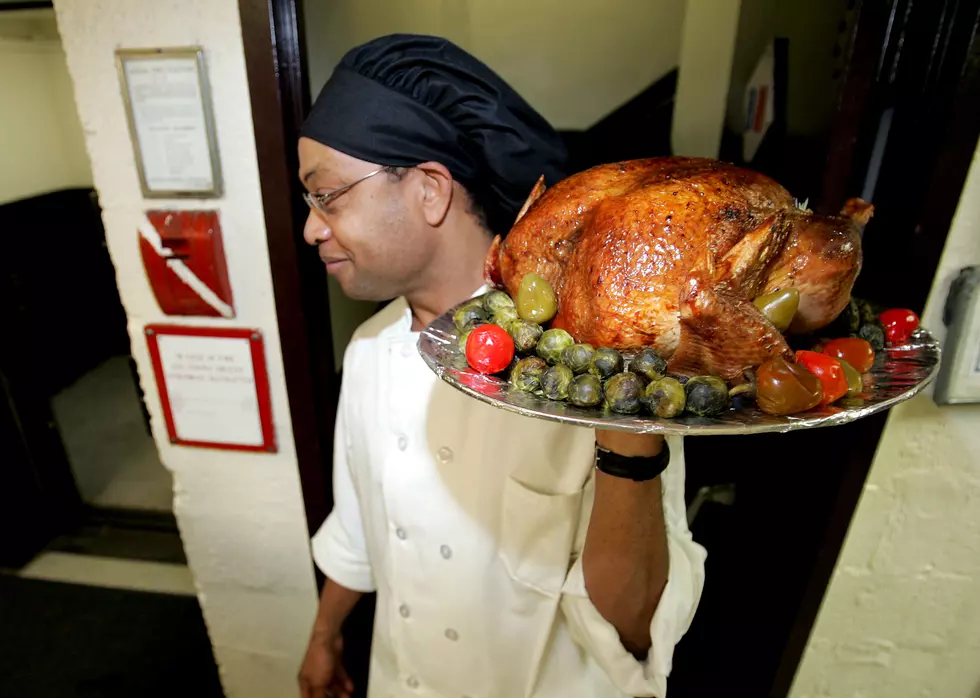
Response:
column 649, row 365
column 468, row 316
column 504, row 316
column 585, row 391
column 495, row 301
column 555, row 382
column 578, row 357
column 855, row 383
column 605, row 363
column 779, row 307
column 527, row 374
column 706, row 396
column 623, row 393
column 536, row 300
column 552, row 344
column 524, row 334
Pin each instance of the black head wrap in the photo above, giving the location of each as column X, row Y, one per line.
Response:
column 402, row 100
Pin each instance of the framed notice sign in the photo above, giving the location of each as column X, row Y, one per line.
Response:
column 213, row 386
column 168, row 106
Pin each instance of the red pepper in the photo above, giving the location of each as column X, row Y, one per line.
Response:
column 899, row 324
column 854, row 350
column 489, row 349
column 828, row 370
column 786, row 388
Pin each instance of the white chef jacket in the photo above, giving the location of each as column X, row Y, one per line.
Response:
column 469, row 522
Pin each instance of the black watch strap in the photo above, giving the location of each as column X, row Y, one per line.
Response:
column 637, row 468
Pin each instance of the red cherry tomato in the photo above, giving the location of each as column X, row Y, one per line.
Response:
column 828, row 370
column 489, row 349
column 899, row 324
column 854, row 350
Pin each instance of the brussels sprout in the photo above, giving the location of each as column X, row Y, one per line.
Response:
column 851, row 317
column 495, row 301
column 605, row 363
column 504, row 316
column 524, row 334
column 552, row 343
column 527, row 373
column 873, row 335
column 664, row 398
column 706, row 396
column 585, row 391
column 578, row 357
column 536, row 300
column 623, row 393
column 469, row 316
column 555, row 382
column 463, row 336
column 867, row 312
column 649, row 365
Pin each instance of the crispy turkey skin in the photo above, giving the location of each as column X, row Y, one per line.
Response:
column 670, row 252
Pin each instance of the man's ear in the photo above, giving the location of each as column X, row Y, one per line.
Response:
column 437, row 192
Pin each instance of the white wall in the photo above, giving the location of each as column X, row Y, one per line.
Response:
column 901, row 618
column 41, row 139
column 240, row 515
column 707, row 51
column 812, row 29
column 575, row 61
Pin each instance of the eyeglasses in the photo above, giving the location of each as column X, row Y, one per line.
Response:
column 319, row 202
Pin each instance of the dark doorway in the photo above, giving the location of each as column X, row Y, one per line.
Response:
column 80, row 464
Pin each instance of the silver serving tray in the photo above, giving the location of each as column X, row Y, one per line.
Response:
column 897, row 376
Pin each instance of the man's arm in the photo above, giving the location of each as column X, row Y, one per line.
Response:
column 322, row 672
column 336, row 603
column 625, row 561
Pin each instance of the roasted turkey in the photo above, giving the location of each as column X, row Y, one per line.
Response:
column 669, row 253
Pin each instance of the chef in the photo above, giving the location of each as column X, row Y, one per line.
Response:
column 512, row 557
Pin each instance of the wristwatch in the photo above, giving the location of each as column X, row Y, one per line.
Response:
column 636, row 468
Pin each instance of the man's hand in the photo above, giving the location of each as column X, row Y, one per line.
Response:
column 323, row 674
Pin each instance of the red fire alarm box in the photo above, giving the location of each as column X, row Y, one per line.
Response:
column 185, row 263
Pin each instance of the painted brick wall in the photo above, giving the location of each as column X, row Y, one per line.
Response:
column 241, row 516
column 901, row 618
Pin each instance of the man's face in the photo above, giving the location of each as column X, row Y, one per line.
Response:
column 373, row 238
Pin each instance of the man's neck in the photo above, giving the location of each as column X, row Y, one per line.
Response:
column 456, row 274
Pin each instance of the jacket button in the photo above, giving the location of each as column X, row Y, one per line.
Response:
column 403, row 611
column 452, row 635
column 445, row 551
column 445, row 454
column 412, row 682
column 402, row 442
column 401, row 533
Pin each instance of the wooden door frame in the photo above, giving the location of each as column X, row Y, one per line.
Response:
column 275, row 66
